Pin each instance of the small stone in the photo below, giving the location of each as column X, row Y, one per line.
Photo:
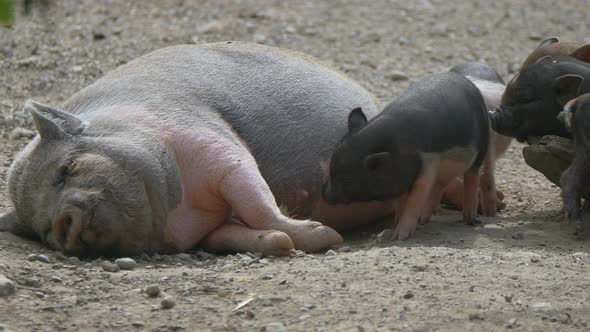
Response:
column 385, row 234
column 74, row 260
column 152, row 290
column 110, row 267
column 98, row 35
column 331, row 253
column 126, row 263
column 511, row 323
column 168, row 302
column 7, row 286
column 518, row 236
column 283, row 282
column 397, row 76
column 56, row 279
column 540, row 305
column 274, row 327
column 408, row 295
column 475, row 316
column 18, row 133
column 38, row 257
column 535, row 259
column 508, row 298
column 183, row 257
column 138, row 324
column 267, row 277
column 345, row 249
column 77, row 69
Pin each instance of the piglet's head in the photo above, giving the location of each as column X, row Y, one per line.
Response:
column 366, row 166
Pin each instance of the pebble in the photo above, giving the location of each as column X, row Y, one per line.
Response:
column 74, row 260
column 126, row 263
column 267, row 277
column 385, row 234
column 511, row 323
column 345, row 249
column 152, row 290
column 183, row 257
column 168, row 302
column 540, row 305
column 7, row 286
column 19, row 132
column 408, row 295
column 397, row 76
column 475, row 317
column 275, row 327
column 138, row 324
column 110, row 267
column 331, row 253
column 38, row 257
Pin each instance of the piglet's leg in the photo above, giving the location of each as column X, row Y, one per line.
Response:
column 251, row 199
column 432, row 203
column 571, row 199
column 470, row 197
column 489, row 205
column 236, row 237
column 416, row 202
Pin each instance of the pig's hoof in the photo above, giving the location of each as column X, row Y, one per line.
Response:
column 312, row 236
column 472, row 221
column 403, row 232
column 273, row 243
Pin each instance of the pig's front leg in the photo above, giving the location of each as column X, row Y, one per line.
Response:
column 416, row 202
column 252, row 201
column 570, row 181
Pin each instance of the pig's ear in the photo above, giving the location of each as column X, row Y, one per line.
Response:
column 53, row 124
column 567, row 87
column 582, row 53
column 8, row 223
column 356, row 120
column 377, row 160
column 548, row 41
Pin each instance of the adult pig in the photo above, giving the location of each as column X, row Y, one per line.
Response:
column 436, row 130
column 491, row 85
column 539, row 91
column 186, row 146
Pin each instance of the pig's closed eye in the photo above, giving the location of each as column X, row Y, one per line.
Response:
column 62, row 174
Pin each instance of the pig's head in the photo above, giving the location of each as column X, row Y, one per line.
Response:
column 85, row 192
column 367, row 165
column 536, row 95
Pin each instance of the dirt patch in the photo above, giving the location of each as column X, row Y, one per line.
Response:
column 522, row 270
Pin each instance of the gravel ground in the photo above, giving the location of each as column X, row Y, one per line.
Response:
column 523, row 270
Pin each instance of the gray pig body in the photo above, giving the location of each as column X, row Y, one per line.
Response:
column 184, row 125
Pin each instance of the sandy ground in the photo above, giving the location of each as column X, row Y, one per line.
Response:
column 523, row 270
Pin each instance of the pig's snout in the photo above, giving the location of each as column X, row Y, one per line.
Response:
column 73, row 218
column 503, row 122
column 67, row 228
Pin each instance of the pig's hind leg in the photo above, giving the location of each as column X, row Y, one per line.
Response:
column 252, row 201
column 234, row 236
column 489, row 198
column 470, row 196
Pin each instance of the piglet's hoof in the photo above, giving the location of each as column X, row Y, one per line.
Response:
column 472, row 221
column 312, row 236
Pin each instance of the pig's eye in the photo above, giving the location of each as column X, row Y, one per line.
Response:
column 62, row 174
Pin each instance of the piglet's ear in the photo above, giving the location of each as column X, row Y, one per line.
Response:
column 582, row 53
column 548, row 41
column 356, row 120
column 567, row 87
column 53, row 124
column 377, row 160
